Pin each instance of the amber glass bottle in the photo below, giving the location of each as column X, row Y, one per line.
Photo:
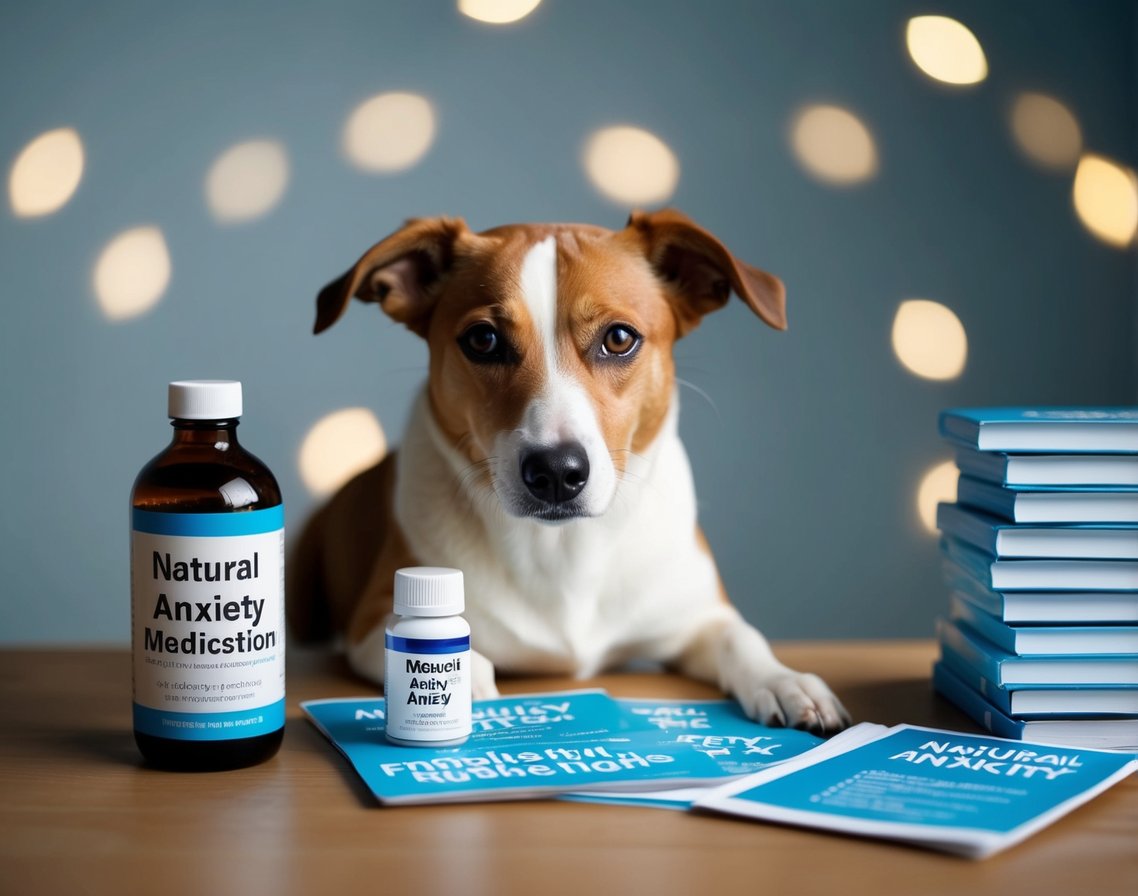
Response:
column 207, row 592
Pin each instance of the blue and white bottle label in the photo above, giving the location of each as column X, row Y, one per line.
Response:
column 427, row 686
column 207, row 623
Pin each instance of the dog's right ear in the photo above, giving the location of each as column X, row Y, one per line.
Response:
column 701, row 271
column 401, row 272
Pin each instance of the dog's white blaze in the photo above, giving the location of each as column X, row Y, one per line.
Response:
column 562, row 409
column 539, row 289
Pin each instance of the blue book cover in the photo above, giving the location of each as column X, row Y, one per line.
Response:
column 717, row 728
column 1040, row 574
column 966, row 794
column 1092, row 607
column 1038, row 701
column 1048, row 640
column 997, row 696
column 1005, row 669
column 1029, row 472
column 1102, row 733
column 1002, row 539
column 522, row 747
column 1049, row 506
column 1043, row 429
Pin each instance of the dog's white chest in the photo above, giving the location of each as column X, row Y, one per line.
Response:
column 546, row 602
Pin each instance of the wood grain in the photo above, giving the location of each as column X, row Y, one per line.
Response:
column 80, row 814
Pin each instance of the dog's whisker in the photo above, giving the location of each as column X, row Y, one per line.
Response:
column 477, row 468
column 627, row 475
column 623, row 473
column 472, row 473
column 632, row 455
column 702, row 394
column 629, row 455
column 463, row 440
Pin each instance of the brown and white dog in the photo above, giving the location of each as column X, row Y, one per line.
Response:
column 542, row 459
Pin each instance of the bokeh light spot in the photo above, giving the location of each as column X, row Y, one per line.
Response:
column 938, row 484
column 833, row 145
column 631, row 165
column 929, row 339
column 132, row 273
column 1046, row 131
column 247, row 181
column 46, row 173
column 339, row 446
column 1106, row 199
column 946, row 50
column 389, row 132
column 497, row 12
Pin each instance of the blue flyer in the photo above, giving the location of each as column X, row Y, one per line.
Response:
column 961, row 793
column 717, row 728
column 522, row 746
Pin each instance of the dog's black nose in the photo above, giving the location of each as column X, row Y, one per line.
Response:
column 556, row 475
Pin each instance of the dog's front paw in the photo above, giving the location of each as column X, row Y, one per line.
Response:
column 795, row 700
column 482, row 685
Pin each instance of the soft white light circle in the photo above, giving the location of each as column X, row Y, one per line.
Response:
column 631, row 165
column 46, row 173
column 1106, row 199
column 946, row 50
column 132, row 273
column 929, row 339
column 833, row 145
column 339, row 446
column 938, row 484
column 389, row 132
column 247, row 181
column 497, row 12
column 1046, row 131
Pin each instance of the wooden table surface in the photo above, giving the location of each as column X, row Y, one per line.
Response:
column 80, row 814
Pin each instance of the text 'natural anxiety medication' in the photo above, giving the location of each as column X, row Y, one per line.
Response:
column 207, row 592
column 427, row 661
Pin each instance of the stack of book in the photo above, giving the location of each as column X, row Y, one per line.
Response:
column 1040, row 554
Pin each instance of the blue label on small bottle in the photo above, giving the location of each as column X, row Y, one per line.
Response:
column 427, row 689
column 427, row 645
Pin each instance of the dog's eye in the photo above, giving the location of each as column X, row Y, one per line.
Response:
column 620, row 341
column 481, row 343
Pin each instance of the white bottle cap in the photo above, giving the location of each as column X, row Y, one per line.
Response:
column 428, row 591
column 204, row 399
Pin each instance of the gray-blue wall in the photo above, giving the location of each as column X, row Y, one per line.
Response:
column 807, row 464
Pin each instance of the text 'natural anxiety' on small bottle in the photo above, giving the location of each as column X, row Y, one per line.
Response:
column 207, row 592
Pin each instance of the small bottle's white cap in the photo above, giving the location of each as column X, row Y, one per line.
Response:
column 428, row 591
column 204, row 399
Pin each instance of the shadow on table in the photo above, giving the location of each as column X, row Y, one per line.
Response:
column 904, row 701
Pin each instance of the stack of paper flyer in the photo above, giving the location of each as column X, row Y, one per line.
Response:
column 1041, row 561
column 963, row 793
column 580, row 744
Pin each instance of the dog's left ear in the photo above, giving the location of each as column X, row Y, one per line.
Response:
column 400, row 273
column 701, row 272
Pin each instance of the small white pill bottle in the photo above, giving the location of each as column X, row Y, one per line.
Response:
column 427, row 660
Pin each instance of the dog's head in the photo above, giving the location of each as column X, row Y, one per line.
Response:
column 551, row 345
